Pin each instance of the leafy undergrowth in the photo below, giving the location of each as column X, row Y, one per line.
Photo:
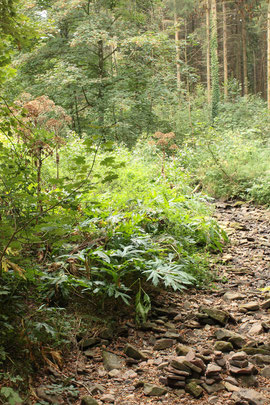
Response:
column 231, row 159
column 142, row 231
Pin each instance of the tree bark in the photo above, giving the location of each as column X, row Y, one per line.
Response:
column 244, row 50
column 208, row 61
column 268, row 55
column 254, row 73
column 177, row 49
column 238, row 71
column 101, row 73
column 188, row 84
column 225, row 50
column 214, row 60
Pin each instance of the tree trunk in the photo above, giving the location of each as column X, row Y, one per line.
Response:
column 225, row 50
column 244, row 50
column 101, row 72
column 238, row 70
column 39, row 168
column 268, row 55
column 77, row 114
column 188, row 84
column 177, row 49
column 214, row 60
column 208, row 62
column 254, row 73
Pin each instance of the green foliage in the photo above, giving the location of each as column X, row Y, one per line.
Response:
column 11, row 396
column 231, row 158
column 149, row 228
column 142, row 305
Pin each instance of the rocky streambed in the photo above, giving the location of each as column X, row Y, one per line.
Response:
column 201, row 347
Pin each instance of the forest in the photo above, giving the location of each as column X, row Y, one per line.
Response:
column 134, row 159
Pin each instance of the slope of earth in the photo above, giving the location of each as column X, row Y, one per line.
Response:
column 201, row 347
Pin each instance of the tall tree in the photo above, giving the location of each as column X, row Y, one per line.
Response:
column 177, row 48
column 244, row 47
column 225, row 49
column 268, row 55
column 208, row 51
column 214, row 60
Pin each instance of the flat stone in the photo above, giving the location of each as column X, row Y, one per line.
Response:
column 169, row 313
column 112, row 361
column 247, row 381
column 205, row 319
column 88, row 343
column 212, row 369
column 195, row 380
column 205, row 359
column 221, row 362
column 216, row 314
column 153, row 390
column 232, row 380
column 211, row 389
column 250, row 306
column 107, row 333
column 218, row 354
column 264, row 349
column 162, row 344
column 256, row 329
column 182, row 350
column 211, row 381
column 260, row 359
column 233, row 296
column 194, row 389
column 230, row 387
column 239, row 356
column 175, row 384
column 178, row 363
column 239, row 363
column 108, row 398
column 115, row 373
column 266, row 372
column 223, row 346
column 192, row 366
column 250, row 369
column 176, row 377
column 134, row 353
column 173, row 335
column 87, row 400
column 192, row 324
column 177, row 372
column 145, row 326
column 236, row 339
column 129, row 374
column 251, row 396
column 266, row 326
column 163, row 365
column 199, row 363
column 266, row 304
column 190, row 356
